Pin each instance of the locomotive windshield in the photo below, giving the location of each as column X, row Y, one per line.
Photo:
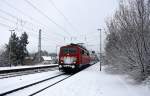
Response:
column 69, row 50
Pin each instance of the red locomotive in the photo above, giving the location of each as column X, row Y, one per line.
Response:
column 73, row 56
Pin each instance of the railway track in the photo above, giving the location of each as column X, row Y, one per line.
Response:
column 26, row 72
column 36, row 87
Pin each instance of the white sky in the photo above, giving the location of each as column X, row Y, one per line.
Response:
column 85, row 16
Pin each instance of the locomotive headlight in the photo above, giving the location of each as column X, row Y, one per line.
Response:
column 74, row 62
column 72, row 66
column 60, row 66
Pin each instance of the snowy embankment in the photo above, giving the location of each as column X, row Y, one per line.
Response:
column 92, row 82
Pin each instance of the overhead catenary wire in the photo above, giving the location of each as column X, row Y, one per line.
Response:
column 21, row 20
column 52, row 40
column 30, row 17
column 17, row 18
column 12, row 21
column 61, row 13
column 43, row 12
column 7, row 26
column 51, row 20
column 5, row 18
column 57, row 43
column 20, row 11
column 25, row 14
column 30, row 29
column 66, row 19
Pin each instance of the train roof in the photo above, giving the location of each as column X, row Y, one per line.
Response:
column 78, row 45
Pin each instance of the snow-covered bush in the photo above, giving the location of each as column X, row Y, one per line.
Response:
column 128, row 43
column 147, row 82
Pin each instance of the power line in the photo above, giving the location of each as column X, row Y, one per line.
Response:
column 7, row 19
column 51, row 40
column 59, row 26
column 26, row 14
column 13, row 16
column 60, row 12
column 14, row 23
column 18, row 10
column 30, row 17
column 5, row 25
column 46, row 38
column 9, row 14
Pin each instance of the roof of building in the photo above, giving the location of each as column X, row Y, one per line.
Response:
column 46, row 58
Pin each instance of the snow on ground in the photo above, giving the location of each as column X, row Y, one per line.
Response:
column 16, row 82
column 89, row 82
column 35, row 88
column 22, row 67
column 92, row 82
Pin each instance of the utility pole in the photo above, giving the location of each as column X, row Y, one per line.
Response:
column 64, row 39
column 39, row 46
column 57, row 51
column 100, row 49
column 10, row 47
column 71, row 39
column 85, row 39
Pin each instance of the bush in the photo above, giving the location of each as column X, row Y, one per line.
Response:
column 128, row 43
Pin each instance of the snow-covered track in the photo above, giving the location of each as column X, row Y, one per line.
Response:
column 17, row 69
column 36, row 83
column 25, row 71
column 49, row 86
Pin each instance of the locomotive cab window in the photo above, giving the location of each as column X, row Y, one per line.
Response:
column 69, row 50
column 72, row 50
column 88, row 54
column 82, row 52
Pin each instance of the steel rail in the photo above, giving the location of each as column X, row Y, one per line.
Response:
column 29, row 85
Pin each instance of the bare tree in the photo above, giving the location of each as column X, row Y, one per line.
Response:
column 128, row 41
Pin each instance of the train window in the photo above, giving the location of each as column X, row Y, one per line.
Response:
column 82, row 51
column 88, row 54
column 85, row 53
column 69, row 50
column 72, row 50
column 65, row 50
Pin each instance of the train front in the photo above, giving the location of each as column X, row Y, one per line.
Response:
column 68, row 57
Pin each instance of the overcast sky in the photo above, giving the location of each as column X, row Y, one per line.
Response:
column 61, row 21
